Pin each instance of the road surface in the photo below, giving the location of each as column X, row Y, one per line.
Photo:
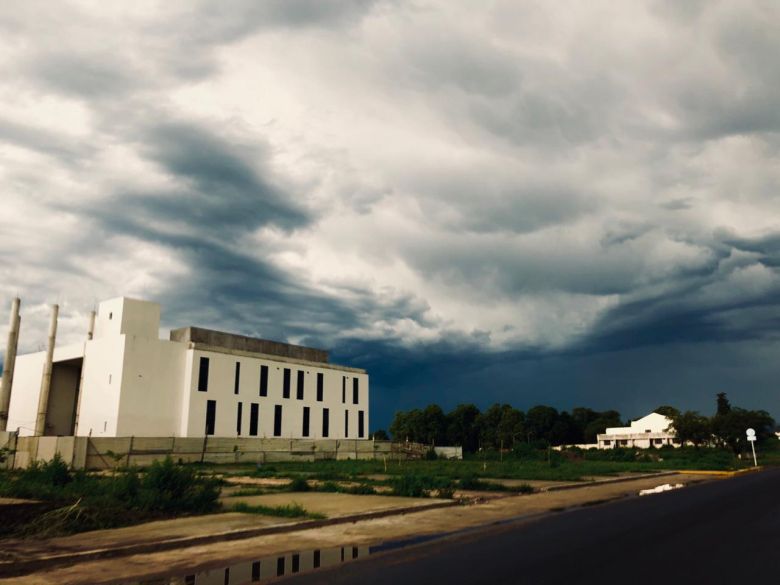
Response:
column 725, row 531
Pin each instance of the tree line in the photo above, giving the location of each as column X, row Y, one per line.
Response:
column 503, row 427
column 726, row 428
column 500, row 426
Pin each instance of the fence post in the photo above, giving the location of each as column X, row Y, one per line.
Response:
column 129, row 451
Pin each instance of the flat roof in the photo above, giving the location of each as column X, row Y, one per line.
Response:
column 244, row 343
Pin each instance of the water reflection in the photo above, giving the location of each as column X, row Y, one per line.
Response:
column 267, row 568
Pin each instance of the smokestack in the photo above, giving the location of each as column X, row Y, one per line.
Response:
column 9, row 363
column 90, row 334
column 43, row 398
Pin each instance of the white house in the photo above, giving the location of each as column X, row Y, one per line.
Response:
column 648, row 431
column 126, row 381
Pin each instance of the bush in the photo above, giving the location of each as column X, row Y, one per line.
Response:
column 167, row 487
column 430, row 455
column 298, row 484
column 417, row 486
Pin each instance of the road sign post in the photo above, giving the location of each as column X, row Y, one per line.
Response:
column 751, row 436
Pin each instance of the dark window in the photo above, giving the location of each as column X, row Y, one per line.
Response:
column 227, row 576
column 299, row 388
column 343, row 389
column 305, row 431
column 361, row 424
column 280, row 566
column 278, row 420
column 239, row 412
column 296, row 563
column 355, row 390
column 255, row 571
column 263, row 380
column 316, row 559
column 354, row 552
column 203, row 375
column 189, row 580
column 342, row 554
column 286, row 384
column 254, row 412
column 211, row 415
column 346, row 424
column 320, row 386
column 325, row 422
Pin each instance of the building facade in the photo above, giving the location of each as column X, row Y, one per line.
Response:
column 126, row 381
column 645, row 433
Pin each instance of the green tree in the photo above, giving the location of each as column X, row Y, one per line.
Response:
column 723, row 404
column 605, row 420
column 729, row 428
column 539, row 422
column 668, row 411
column 692, row 427
column 381, row 435
column 462, row 427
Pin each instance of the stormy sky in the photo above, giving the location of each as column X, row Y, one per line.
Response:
column 570, row 203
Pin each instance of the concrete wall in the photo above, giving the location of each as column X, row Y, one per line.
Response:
column 110, row 452
column 152, row 387
column 102, row 371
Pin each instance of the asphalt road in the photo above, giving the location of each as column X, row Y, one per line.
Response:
column 725, row 531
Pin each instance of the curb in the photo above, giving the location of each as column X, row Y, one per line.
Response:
column 22, row 567
column 574, row 486
column 722, row 473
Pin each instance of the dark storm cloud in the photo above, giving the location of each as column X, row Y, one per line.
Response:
column 512, row 155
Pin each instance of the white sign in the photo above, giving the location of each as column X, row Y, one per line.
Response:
column 751, row 433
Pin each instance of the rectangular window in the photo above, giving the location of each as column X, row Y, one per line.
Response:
column 211, row 416
column 239, row 412
column 296, row 563
column 203, row 375
column 299, row 387
column 316, row 559
column 280, row 566
column 361, row 424
column 255, row 571
column 254, row 414
column 286, row 384
column 263, row 380
column 343, row 389
column 226, row 581
column 355, row 390
column 237, row 378
column 277, row 420
column 320, row 386
column 346, row 424
column 305, row 430
column 325, row 422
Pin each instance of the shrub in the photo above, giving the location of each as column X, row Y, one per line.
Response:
column 417, row 486
column 298, row 484
column 167, row 487
column 430, row 455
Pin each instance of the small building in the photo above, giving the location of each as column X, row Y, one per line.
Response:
column 125, row 381
column 647, row 432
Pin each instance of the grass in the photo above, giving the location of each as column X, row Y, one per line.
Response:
column 293, row 510
column 79, row 501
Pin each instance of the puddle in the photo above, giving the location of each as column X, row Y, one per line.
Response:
column 265, row 569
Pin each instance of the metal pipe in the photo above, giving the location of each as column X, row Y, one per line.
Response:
column 90, row 334
column 9, row 362
column 43, row 397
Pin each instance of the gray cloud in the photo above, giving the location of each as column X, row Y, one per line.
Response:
column 429, row 184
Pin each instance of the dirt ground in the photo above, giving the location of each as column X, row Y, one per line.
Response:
column 333, row 505
column 361, row 533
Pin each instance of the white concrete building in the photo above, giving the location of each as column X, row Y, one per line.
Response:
column 126, row 381
column 644, row 433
